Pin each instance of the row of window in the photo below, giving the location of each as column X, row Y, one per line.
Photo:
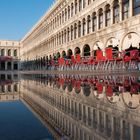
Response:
column 91, row 23
column 8, row 52
column 73, row 9
column 8, row 88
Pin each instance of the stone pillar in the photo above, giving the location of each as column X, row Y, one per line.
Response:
column 120, row 10
column 104, row 18
column 111, row 14
column 112, row 127
column 97, row 21
column 5, row 65
column 131, row 132
column 121, row 130
column 12, row 65
column 130, row 8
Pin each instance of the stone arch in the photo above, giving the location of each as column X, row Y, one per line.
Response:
column 129, row 39
column 9, row 52
column 131, row 101
column 77, row 50
column 86, row 90
column 15, row 52
column 98, row 45
column 112, row 41
column 86, row 50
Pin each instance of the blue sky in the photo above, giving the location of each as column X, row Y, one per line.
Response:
column 17, row 17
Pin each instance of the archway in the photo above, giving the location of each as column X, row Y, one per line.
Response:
column 63, row 54
column 86, row 90
column 131, row 39
column 58, row 55
column 98, row 46
column 86, row 50
column 77, row 50
column 112, row 42
column 69, row 53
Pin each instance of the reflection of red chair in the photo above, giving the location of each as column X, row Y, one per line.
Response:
column 99, row 88
column 100, row 60
column 130, row 59
column 109, row 91
column 61, row 81
column 134, row 89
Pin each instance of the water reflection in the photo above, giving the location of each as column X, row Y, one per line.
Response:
column 86, row 107
column 9, row 87
column 18, row 122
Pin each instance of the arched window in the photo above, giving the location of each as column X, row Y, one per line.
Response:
column 100, row 18
column 62, row 37
column 94, row 22
column 60, row 19
column 79, row 29
column 65, row 32
column 9, row 52
column 59, row 38
column 84, row 4
column 77, row 50
column 68, row 12
column 57, row 20
column 86, row 50
column 62, row 16
column 71, row 32
column 75, row 6
column 72, row 10
column 84, row 26
column 65, row 14
column 125, row 8
column 2, row 52
column 80, row 5
column 116, row 11
column 136, row 7
column 88, row 24
column 107, row 15
column 68, row 35
column 75, row 31
column 15, row 88
column 89, row 2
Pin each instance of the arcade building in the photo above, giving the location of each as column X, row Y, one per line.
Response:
column 9, row 55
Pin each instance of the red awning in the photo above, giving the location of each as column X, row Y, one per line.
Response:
column 5, row 58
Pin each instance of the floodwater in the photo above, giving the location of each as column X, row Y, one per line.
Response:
column 69, row 107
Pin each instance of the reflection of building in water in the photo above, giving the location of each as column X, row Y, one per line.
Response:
column 9, row 55
column 75, row 110
column 9, row 87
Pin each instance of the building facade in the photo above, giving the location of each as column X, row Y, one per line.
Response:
column 81, row 27
column 9, row 55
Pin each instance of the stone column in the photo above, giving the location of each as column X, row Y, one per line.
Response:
column 131, row 132
column 104, row 18
column 97, row 21
column 111, row 14
column 120, row 10
column 5, row 65
column 130, row 8
column 12, row 65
